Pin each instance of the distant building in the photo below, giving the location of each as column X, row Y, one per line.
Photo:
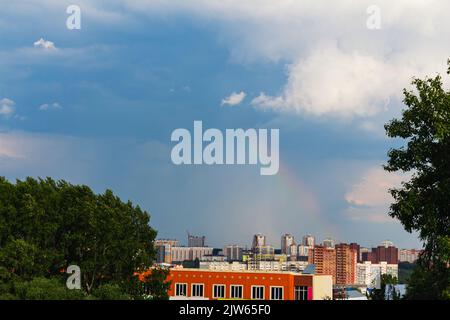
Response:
column 308, row 241
column 328, row 243
column 408, row 255
column 259, row 240
column 387, row 243
column 357, row 248
column 292, row 252
column 180, row 254
column 363, row 254
column 324, row 259
column 303, row 252
column 369, row 274
column 223, row 265
column 346, row 260
column 196, row 241
column 287, row 240
column 382, row 253
column 163, row 249
column 233, row 252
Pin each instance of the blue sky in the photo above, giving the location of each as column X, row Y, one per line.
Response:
column 98, row 105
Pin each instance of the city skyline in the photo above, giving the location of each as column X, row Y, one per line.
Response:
column 298, row 242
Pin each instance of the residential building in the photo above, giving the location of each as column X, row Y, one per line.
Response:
column 369, row 274
column 196, row 241
column 163, row 249
column 385, row 252
column 223, row 265
column 259, row 240
column 357, row 248
column 233, row 252
column 408, row 255
column 308, row 241
column 180, row 254
column 324, row 258
column 287, row 240
column 328, row 243
column 346, row 260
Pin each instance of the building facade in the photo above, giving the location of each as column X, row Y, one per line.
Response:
column 259, row 240
column 163, row 249
column 180, row 254
column 211, row 284
column 308, row 241
column 196, row 241
column 408, row 255
column 287, row 240
column 346, row 260
column 369, row 274
column 324, row 259
column 233, row 252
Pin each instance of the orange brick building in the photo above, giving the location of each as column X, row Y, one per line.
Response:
column 255, row 285
column 346, row 259
column 325, row 260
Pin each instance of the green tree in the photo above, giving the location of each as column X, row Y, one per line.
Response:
column 46, row 225
column 387, row 289
column 156, row 284
column 45, row 289
column 422, row 204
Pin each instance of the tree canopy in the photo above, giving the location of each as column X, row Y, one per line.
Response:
column 422, row 204
column 47, row 225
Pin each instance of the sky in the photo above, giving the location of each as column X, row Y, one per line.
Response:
column 97, row 106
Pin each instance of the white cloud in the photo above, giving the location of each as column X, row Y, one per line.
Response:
column 44, row 44
column 333, row 82
column 6, row 107
column 336, row 66
column 370, row 199
column 51, row 106
column 234, row 98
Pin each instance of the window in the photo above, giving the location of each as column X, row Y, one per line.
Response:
column 236, row 292
column 258, row 292
column 218, row 291
column 180, row 289
column 301, row 293
column 197, row 290
column 276, row 293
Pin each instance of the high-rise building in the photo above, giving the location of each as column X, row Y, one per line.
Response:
column 233, row 252
column 369, row 274
column 259, row 240
column 180, row 254
column 346, row 259
column 357, row 248
column 308, row 241
column 387, row 243
column 324, row 259
column 196, row 241
column 386, row 252
column 163, row 249
column 303, row 250
column 292, row 252
column 286, row 241
column 328, row 243
column 363, row 254
column 408, row 255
